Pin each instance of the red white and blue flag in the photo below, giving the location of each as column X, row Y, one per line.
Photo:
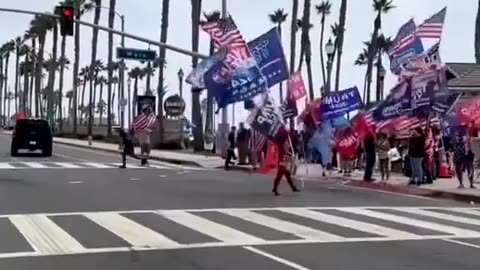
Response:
column 143, row 122
column 405, row 37
column 432, row 27
column 257, row 141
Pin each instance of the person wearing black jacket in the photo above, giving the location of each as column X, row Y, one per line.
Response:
column 416, row 151
column 232, row 141
column 127, row 146
column 370, row 157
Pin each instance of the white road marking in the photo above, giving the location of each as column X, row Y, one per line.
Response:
column 412, row 222
column 132, row 232
column 390, row 193
column 45, row 236
column 462, row 243
column 75, row 182
column 352, row 224
column 35, row 165
column 284, row 226
column 469, row 211
column 276, row 258
column 67, row 165
column 97, row 165
column 134, row 179
column 5, row 165
column 162, row 176
column 210, row 228
column 442, row 216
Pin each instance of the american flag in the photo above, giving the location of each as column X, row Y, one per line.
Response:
column 226, row 35
column 405, row 37
column 432, row 27
column 257, row 141
column 144, row 121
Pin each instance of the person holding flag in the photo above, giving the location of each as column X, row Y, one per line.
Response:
column 142, row 126
column 284, row 167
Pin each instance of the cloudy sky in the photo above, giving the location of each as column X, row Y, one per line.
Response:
column 143, row 18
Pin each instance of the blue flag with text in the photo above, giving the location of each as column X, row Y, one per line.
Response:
column 337, row 104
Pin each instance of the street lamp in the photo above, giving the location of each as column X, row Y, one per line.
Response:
column 129, row 107
column 381, row 78
column 180, row 81
column 329, row 49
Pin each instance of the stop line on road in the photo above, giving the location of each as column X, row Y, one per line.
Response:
column 87, row 165
column 26, row 235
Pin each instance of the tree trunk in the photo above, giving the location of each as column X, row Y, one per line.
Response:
column 135, row 97
column 100, row 105
column 371, row 54
column 38, row 72
column 25, row 83
column 306, row 46
column 322, row 60
column 378, row 85
column 5, row 92
column 96, row 20
column 148, row 75
column 32, row 76
column 17, row 63
column 209, row 123
column 293, row 35
column 340, row 39
column 51, row 78
column 2, row 114
column 82, row 99
column 60, row 84
column 477, row 35
column 198, row 142
column 279, row 26
column 161, row 69
column 111, row 23
column 76, row 65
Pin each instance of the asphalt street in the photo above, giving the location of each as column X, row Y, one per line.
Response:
column 77, row 210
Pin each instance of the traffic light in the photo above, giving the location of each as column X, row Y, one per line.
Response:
column 66, row 14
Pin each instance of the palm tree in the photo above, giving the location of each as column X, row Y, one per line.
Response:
column 95, row 69
column 161, row 70
column 383, row 45
column 278, row 17
column 69, row 96
column 380, row 6
column 111, row 69
column 32, row 56
column 96, row 18
column 306, row 44
column 198, row 143
column 8, row 97
column 136, row 74
column 293, row 36
column 149, row 71
column 111, row 23
column 2, row 78
column 63, row 62
column 85, row 74
column 18, row 43
column 24, row 71
column 362, row 60
column 340, row 38
column 101, row 80
column 477, row 35
column 302, row 49
column 52, row 25
column 8, row 48
column 323, row 9
column 210, row 17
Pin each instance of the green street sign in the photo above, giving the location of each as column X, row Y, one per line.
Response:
column 136, row 54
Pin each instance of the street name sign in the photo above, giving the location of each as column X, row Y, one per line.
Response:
column 136, row 54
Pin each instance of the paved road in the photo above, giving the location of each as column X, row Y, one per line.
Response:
column 75, row 210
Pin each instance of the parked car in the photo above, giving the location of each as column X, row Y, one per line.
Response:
column 32, row 134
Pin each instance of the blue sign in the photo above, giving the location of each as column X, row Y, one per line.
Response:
column 136, row 54
column 444, row 102
column 337, row 104
column 268, row 53
column 396, row 104
column 423, row 88
column 246, row 83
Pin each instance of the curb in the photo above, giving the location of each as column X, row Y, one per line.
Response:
column 169, row 160
column 415, row 191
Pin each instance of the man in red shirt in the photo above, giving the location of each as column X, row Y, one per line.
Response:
column 285, row 159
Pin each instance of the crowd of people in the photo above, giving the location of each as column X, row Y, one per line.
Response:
column 419, row 156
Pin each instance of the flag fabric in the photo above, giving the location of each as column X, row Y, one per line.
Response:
column 267, row 119
column 405, row 37
column 432, row 28
column 143, row 122
column 336, row 104
column 195, row 78
column 396, row 103
column 289, row 109
column 296, row 87
column 225, row 34
column 405, row 47
column 423, row 63
column 257, row 141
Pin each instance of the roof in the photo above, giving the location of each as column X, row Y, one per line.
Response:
column 467, row 77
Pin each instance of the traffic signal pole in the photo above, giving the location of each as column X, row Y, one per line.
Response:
column 120, row 33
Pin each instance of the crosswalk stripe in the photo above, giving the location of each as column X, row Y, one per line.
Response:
column 442, row 216
column 35, row 165
column 412, row 222
column 283, row 226
column 96, row 165
column 352, row 224
column 210, row 228
column 45, row 237
column 4, row 165
column 132, row 232
column 469, row 211
column 67, row 165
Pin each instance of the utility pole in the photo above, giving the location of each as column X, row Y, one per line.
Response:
column 122, row 78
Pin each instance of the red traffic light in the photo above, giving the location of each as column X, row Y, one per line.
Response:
column 67, row 13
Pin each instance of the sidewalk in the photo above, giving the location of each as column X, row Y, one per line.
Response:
column 441, row 188
column 178, row 157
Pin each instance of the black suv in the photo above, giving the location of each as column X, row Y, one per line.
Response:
column 32, row 134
